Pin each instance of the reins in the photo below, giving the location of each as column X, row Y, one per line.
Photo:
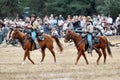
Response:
column 78, row 43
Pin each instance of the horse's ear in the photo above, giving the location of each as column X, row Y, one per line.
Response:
column 69, row 31
column 17, row 29
column 11, row 29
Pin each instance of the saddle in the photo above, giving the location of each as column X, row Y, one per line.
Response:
column 39, row 36
column 94, row 41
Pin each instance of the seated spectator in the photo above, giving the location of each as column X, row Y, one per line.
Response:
column 109, row 32
column 54, row 32
column 99, row 26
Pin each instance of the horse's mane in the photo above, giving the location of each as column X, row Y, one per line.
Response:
column 75, row 34
column 21, row 33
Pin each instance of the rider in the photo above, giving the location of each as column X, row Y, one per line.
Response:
column 34, row 27
column 89, row 30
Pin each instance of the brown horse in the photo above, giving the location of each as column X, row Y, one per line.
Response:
column 81, row 46
column 27, row 45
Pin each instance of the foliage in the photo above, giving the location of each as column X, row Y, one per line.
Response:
column 108, row 7
column 73, row 7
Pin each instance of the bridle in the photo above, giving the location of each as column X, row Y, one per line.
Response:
column 73, row 38
column 11, row 35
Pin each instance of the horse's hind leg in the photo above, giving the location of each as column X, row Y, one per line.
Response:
column 104, row 54
column 53, row 53
column 99, row 53
column 43, row 54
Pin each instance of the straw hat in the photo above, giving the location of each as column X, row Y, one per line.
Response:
column 35, row 25
column 38, row 18
column 33, row 15
column 88, row 19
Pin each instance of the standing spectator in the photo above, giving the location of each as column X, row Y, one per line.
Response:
column 104, row 23
column 95, row 20
column 65, row 25
column 117, row 23
column 109, row 21
column 52, row 22
column 76, row 22
column 1, row 31
column 27, row 26
column 60, row 24
column 46, row 24
column 69, row 21
column 82, row 21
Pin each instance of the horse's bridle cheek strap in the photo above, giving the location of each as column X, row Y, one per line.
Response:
column 72, row 37
column 11, row 36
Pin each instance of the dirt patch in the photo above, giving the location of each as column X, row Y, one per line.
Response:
column 64, row 69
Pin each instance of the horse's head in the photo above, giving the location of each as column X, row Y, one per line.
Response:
column 68, row 36
column 12, row 35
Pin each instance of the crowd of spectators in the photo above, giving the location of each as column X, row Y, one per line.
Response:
column 57, row 25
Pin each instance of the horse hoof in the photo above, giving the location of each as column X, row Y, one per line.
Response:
column 33, row 63
column 23, row 62
column 75, row 63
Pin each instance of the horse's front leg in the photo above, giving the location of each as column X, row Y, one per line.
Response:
column 43, row 54
column 27, row 54
column 99, row 53
column 83, row 53
column 78, row 57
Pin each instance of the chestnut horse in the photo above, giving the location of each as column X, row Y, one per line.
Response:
column 27, row 45
column 82, row 47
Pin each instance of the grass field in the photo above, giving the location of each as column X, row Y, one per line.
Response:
column 11, row 67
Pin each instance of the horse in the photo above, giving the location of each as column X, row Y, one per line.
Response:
column 27, row 45
column 82, row 47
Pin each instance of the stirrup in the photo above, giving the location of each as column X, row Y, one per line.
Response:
column 89, row 50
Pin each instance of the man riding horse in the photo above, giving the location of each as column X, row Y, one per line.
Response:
column 35, row 30
column 90, row 33
column 89, row 30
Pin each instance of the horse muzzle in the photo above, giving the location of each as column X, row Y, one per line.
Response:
column 65, row 40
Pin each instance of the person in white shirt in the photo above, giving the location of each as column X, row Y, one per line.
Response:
column 109, row 20
column 60, row 24
column 109, row 32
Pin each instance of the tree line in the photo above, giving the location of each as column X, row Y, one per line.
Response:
column 65, row 7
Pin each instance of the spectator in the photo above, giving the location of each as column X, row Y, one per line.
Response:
column 109, row 32
column 60, row 24
column 117, row 23
column 46, row 25
column 54, row 32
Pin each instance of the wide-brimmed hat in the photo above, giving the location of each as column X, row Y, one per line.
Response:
column 87, row 19
column 33, row 15
column 38, row 18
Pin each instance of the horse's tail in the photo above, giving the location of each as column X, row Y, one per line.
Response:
column 58, row 43
column 108, row 47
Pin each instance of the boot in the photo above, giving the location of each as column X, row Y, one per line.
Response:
column 37, row 44
column 90, row 50
column 41, row 37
